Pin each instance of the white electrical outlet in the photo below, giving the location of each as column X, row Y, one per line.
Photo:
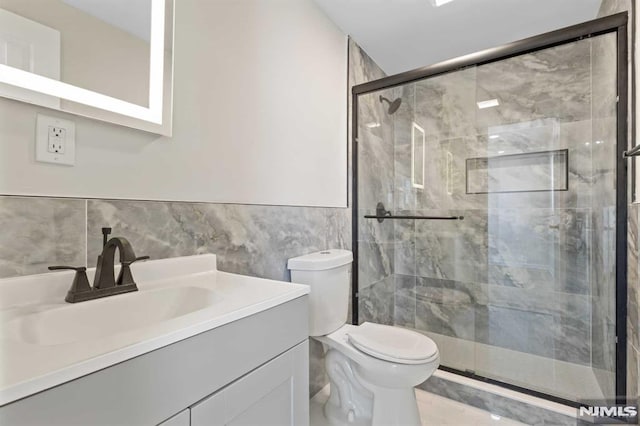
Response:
column 55, row 140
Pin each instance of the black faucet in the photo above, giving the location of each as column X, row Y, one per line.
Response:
column 104, row 283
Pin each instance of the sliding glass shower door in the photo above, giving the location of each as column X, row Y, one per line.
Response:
column 491, row 196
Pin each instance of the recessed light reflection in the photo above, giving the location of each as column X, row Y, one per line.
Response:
column 494, row 136
column 488, row 104
column 599, row 142
column 587, row 143
column 500, row 152
column 495, row 417
column 372, row 125
column 438, row 3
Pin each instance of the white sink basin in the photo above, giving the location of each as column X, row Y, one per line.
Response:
column 108, row 316
column 45, row 341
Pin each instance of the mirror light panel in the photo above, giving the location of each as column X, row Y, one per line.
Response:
column 59, row 89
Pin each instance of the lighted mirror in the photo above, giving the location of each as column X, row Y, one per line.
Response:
column 110, row 60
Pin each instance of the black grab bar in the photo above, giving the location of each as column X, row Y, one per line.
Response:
column 382, row 214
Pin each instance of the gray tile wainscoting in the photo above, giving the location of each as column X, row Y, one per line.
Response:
column 247, row 239
column 40, row 232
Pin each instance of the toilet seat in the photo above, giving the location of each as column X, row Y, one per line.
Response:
column 392, row 344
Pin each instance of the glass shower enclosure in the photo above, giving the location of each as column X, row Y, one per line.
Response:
column 488, row 198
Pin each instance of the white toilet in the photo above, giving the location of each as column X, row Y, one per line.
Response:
column 372, row 368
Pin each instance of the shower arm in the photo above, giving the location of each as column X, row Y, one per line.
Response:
column 382, row 214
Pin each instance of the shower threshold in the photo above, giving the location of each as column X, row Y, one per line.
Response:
column 560, row 379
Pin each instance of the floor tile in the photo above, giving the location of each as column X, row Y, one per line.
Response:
column 434, row 411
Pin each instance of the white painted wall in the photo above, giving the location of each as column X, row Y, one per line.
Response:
column 259, row 117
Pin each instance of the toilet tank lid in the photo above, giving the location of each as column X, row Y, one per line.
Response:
column 321, row 260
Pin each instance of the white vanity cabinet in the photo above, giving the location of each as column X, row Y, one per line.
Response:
column 252, row 371
column 273, row 394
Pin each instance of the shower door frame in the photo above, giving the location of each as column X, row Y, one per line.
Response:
column 610, row 24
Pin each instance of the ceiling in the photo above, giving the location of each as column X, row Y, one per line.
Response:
column 401, row 35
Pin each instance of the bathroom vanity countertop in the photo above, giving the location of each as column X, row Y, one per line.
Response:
column 38, row 361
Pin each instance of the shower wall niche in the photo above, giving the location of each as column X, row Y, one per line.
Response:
column 523, row 289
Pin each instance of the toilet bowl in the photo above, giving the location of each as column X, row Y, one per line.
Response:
column 376, row 386
column 372, row 368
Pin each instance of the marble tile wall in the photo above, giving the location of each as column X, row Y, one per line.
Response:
column 247, row 239
column 376, row 302
column 603, row 214
column 593, row 174
column 603, row 220
column 516, row 258
column 633, row 305
column 39, row 232
column 375, row 185
column 374, row 239
column 529, row 271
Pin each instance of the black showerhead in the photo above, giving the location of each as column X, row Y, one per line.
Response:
column 393, row 106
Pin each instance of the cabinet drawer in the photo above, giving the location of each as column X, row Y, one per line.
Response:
column 273, row 394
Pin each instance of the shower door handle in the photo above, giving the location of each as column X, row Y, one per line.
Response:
column 382, row 214
column 382, row 218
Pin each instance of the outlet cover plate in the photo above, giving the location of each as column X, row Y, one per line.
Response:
column 44, row 124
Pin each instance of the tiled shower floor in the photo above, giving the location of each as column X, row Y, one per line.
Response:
column 564, row 379
column 434, row 411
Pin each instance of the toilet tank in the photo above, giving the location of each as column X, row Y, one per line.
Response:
column 327, row 272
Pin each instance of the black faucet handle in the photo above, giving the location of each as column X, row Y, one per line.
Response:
column 142, row 258
column 127, row 263
column 125, row 277
column 72, row 268
column 80, row 284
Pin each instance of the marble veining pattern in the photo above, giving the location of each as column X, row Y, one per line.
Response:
column 604, row 133
column 254, row 240
column 530, row 271
column 443, row 104
column 633, row 305
column 250, row 240
column 405, row 303
column 554, row 82
column 40, row 232
column 376, row 302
